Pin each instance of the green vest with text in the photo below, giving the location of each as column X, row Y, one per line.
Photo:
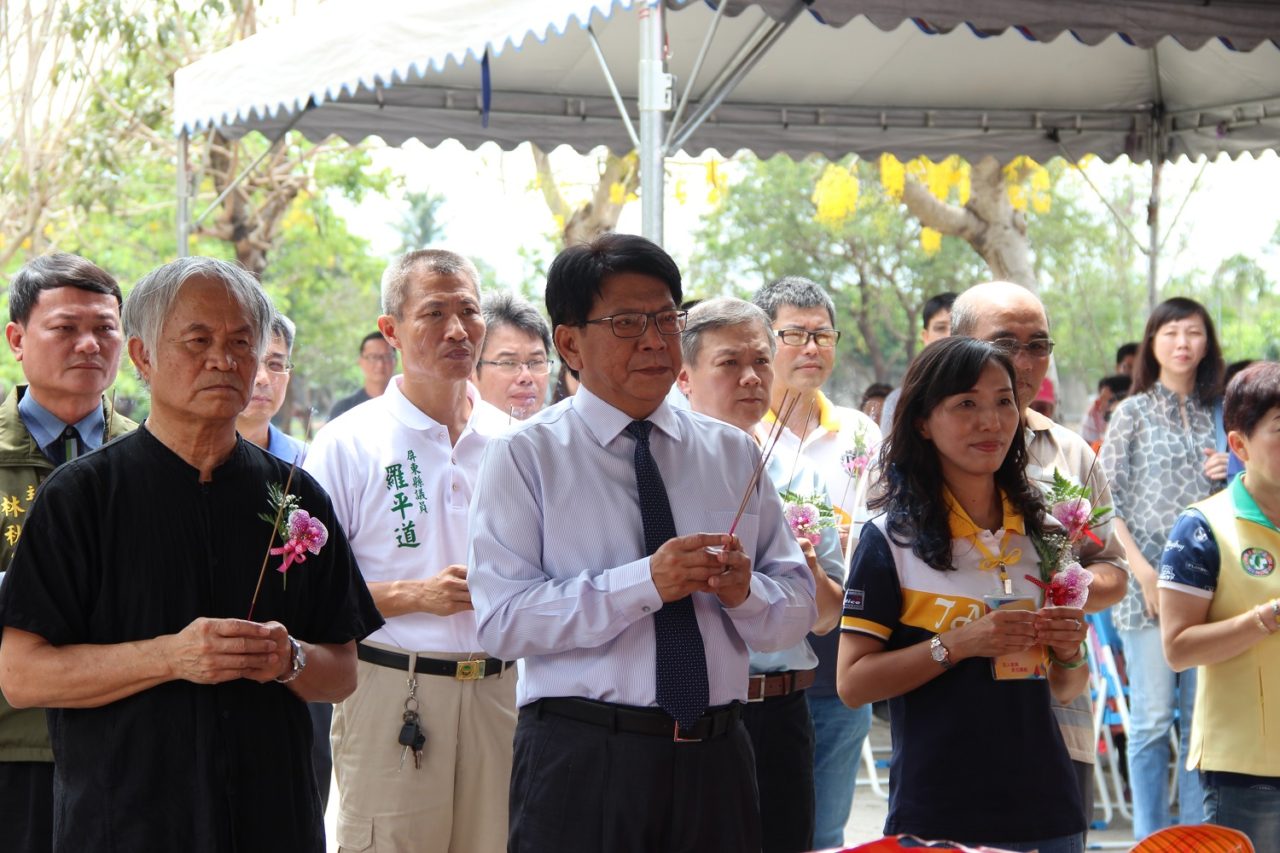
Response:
column 24, row 735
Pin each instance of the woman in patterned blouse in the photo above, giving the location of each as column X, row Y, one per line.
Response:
column 1160, row 457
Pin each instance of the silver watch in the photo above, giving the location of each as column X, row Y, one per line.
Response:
column 939, row 652
column 299, row 662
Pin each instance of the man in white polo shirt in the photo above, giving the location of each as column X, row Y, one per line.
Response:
column 422, row 749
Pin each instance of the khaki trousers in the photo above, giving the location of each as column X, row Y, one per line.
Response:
column 456, row 802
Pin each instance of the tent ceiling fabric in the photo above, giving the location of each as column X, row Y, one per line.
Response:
column 386, row 69
column 1144, row 22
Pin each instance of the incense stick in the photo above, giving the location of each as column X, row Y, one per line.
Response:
column 795, row 463
column 279, row 514
column 775, row 434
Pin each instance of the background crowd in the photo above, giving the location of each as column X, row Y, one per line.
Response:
column 600, row 612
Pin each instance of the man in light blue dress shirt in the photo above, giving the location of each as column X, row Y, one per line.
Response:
column 559, row 577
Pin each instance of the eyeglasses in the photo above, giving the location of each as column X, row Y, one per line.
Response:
column 825, row 338
column 632, row 324
column 279, row 366
column 1040, row 348
column 389, row 358
column 537, row 366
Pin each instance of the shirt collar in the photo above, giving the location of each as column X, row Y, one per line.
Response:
column 607, row 422
column 964, row 527
column 485, row 419
column 45, row 427
column 1035, row 421
column 1246, row 507
column 828, row 417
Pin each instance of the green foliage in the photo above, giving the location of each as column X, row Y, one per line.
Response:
column 120, row 211
column 872, row 263
column 420, row 225
column 1092, row 276
column 327, row 281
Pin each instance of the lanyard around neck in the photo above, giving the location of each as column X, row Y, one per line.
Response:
column 998, row 562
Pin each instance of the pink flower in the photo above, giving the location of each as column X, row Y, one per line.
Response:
column 306, row 535
column 803, row 519
column 855, row 465
column 1073, row 515
column 1067, row 588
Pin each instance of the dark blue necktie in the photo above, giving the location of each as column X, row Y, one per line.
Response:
column 65, row 447
column 681, row 659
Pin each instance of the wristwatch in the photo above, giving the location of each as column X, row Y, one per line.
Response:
column 299, row 662
column 939, row 652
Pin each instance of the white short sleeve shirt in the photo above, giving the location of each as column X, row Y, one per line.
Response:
column 402, row 493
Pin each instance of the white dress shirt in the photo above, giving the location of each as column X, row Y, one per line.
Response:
column 559, row 575
column 402, row 493
column 839, row 429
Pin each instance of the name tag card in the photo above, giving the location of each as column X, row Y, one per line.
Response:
column 1016, row 666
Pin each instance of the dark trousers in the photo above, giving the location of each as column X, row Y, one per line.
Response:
column 782, row 738
column 1084, row 779
column 321, row 752
column 581, row 788
column 26, row 806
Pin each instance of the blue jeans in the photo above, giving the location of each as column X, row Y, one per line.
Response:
column 1154, row 691
column 1254, row 810
column 838, row 735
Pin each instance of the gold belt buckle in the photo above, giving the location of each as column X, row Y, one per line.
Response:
column 469, row 670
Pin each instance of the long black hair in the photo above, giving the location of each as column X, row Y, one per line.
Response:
column 912, row 500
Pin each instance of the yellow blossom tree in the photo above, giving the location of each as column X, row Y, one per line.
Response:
column 984, row 204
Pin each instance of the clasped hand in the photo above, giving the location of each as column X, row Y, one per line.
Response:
column 1001, row 632
column 213, row 651
column 702, row 562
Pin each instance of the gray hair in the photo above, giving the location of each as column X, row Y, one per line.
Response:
column 723, row 312
column 969, row 306
column 284, row 327
column 507, row 309
column 152, row 299
column 430, row 261
column 796, row 291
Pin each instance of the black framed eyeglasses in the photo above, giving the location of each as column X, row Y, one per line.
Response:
column 632, row 324
column 537, row 366
column 825, row 338
column 1039, row 348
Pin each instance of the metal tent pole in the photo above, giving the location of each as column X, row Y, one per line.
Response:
column 655, row 101
column 184, row 196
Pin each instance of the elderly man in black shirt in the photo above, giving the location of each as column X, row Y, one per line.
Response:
column 176, row 722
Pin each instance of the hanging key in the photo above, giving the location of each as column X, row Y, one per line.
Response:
column 411, row 738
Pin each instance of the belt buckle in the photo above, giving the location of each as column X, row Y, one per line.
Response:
column 675, row 736
column 469, row 670
column 758, row 679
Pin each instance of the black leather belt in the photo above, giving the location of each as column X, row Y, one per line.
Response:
column 641, row 721
column 463, row 670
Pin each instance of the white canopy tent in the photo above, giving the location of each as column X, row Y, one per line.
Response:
column 1151, row 79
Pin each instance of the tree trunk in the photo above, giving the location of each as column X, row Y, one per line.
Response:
column 618, row 180
column 988, row 222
